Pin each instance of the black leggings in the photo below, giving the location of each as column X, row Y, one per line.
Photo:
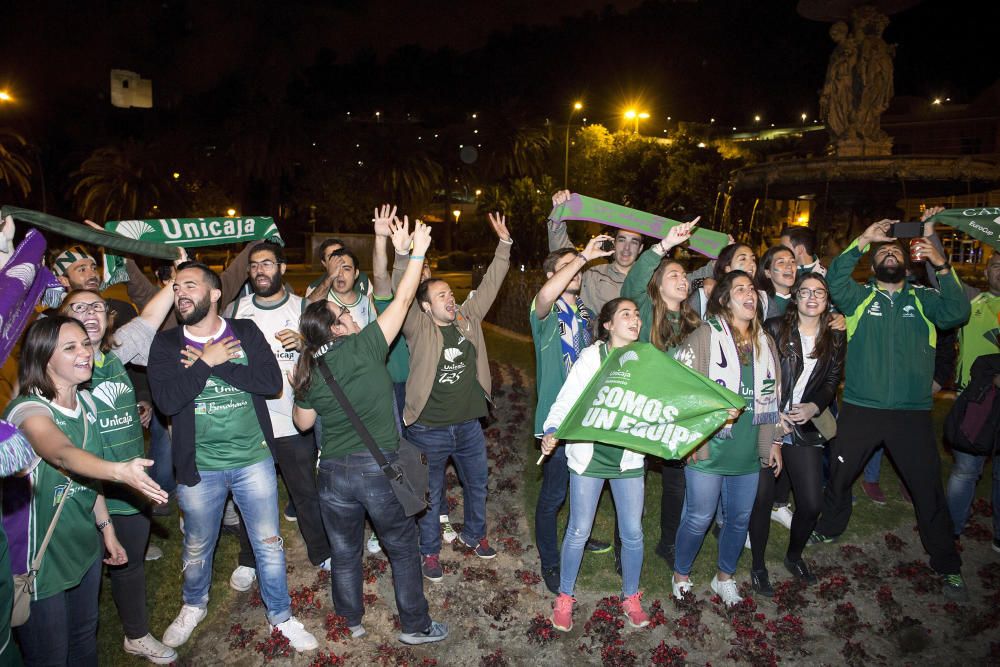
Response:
column 804, row 468
column 128, row 581
column 671, row 502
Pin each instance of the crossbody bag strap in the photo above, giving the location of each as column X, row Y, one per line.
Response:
column 36, row 562
column 356, row 422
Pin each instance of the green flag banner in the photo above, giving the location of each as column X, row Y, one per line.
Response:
column 704, row 241
column 644, row 400
column 979, row 223
column 187, row 232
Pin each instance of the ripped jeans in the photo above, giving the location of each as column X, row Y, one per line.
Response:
column 255, row 490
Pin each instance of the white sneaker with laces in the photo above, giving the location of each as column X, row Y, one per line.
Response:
column 448, row 533
column 180, row 630
column 373, row 546
column 782, row 515
column 297, row 635
column 727, row 590
column 152, row 649
column 325, row 565
column 153, row 552
column 681, row 587
column 242, row 578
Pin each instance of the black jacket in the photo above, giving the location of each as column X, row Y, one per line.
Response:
column 821, row 388
column 175, row 388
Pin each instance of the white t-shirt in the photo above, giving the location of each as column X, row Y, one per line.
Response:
column 808, row 364
column 362, row 310
column 270, row 320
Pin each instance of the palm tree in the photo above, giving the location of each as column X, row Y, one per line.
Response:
column 121, row 182
column 15, row 170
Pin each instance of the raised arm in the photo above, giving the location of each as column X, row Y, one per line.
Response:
column 381, row 280
column 846, row 293
column 234, row 275
column 561, row 279
column 478, row 303
column 140, row 289
column 558, row 236
column 392, row 318
column 639, row 276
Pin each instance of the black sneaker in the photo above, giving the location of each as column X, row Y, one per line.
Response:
column 430, row 567
column 820, row 538
column 953, row 587
column 761, row 583
column 550, row 575
column 597, row 547
column 800, row 570
column 482, row 549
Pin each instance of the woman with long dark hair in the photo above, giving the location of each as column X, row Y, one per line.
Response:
column 591, row 464
column 732, row 349
column 775, row 280
column 121, row 423
column 733, row 257
column 351, row 484
column 61, row 422
column 811, row 355
column 659, row 286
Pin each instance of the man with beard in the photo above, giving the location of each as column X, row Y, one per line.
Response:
column 76, row 268
column 213, row 376
column 560, row 329
column 887, row 391
column 601, row 282
column 276, row 312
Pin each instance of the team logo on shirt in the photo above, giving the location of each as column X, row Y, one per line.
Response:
column 627, row 357
column 909, row 311
column 452, row 353
column 875, row 310
column 110, row 392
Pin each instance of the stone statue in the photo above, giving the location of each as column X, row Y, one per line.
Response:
column 837, row 101
column 875, row 65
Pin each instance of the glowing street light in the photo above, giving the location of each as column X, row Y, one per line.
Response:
column 632, row 114
column 231, row 212
column 569, row 119
column 756, row 119
column 176, row 175
column 5, row 96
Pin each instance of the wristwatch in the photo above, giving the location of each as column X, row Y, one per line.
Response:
column 942, row 267
column 102, row 525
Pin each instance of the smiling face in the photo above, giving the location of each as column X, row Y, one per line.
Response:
column 743, row 260
column 72, row 361
column 628, row 245
column 624, row 325
column 782, row 271
column 742, row 299
column 90, row 310
column 193, row 297
column 441, row 303
column 674, row 285
column 812, row 297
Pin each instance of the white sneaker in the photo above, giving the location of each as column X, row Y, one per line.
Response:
column 727, row 590
column 782, row 515
column 448, row 533
column 180, row 521
column 180, row 630
column 373, row 546
column 300, row 638
column 746, row 545
column 153, row 552
column 242, row 578
column 229, row 516
column 152, row 649
column 681, row 587
column 325, row 565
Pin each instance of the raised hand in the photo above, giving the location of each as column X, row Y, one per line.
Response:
column 560, row 198
column 400, row 234
column 593, row 249
column 926, row 217
column 678, row 234
column 499, row 222
column 421, row 238
column 383, row 217
column 877, row 232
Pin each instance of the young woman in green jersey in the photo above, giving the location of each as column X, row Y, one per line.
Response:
column 61, row 423
column 593, row 463
column 121, row 420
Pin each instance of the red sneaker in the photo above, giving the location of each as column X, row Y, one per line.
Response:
column 874, row 492
column 632, row 608
column 562, row 612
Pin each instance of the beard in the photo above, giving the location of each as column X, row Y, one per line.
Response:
column 197, row 314
column 272, row 288
column 890, row 274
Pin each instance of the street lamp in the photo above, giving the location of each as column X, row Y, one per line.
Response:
column 576, row 107
column 5, row 96
column 632, row 114
column 231, row 212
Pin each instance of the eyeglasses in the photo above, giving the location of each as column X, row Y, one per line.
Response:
column 81, row 308
column 805, row 293
column 266, row 265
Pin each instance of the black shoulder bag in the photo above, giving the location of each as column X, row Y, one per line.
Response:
column 408, row 475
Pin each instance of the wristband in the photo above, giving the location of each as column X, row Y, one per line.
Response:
column 942, row 267
column 416, row 256
column 102, row 525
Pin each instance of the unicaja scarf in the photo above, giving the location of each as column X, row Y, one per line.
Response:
column 574, row 330
column 724, row 368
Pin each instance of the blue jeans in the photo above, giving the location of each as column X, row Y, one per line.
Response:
column 584, row 492
column 551, row 496
column 874, row 467
column 62, row 629
column 701, row 500
column 162, row 470
column 255, row 491
column 962, row 489
column 350, row 486
column 466, row 445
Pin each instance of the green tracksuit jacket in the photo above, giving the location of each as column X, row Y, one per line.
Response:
column 891, row 338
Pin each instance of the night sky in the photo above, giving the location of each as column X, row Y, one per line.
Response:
column 689, row 60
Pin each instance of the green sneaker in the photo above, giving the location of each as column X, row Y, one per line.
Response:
column 953, row 587
column 820, row 538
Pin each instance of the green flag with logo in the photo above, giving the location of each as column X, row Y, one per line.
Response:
column 981, row 223
column 644, row 400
